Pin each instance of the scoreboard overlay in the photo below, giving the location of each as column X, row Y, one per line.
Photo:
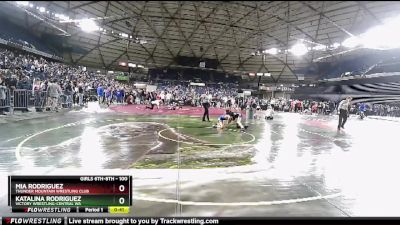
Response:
column 70, row 194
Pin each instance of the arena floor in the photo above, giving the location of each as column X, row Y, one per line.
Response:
column 294, row 165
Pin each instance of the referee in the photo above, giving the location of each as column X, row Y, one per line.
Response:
column 206, row 105
column 344, row 109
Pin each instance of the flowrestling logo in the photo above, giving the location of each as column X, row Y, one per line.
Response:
column 35, row 220
column 109, row 221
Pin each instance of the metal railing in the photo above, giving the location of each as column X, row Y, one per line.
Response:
column 20, row 99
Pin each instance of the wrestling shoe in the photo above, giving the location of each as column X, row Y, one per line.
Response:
column 245, row 127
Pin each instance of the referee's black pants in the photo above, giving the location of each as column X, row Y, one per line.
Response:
column 205, row 106
column 342, row 118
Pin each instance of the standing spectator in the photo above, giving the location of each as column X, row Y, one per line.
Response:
column 80, row 93
column 54, row 91
column 68, row 94
column 343, row 108
column 100, row 93
column 206, row 105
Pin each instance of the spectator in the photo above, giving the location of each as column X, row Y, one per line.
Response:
column 54, row 91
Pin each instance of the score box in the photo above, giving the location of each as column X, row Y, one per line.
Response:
column 69, row 191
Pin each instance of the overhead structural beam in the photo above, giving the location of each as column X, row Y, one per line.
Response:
column 280, row 74
column 146, row 20
column 98, row 40
column 251, row 36
column 362, row 5
column 96, row 47
column 178, row 25
column 134, row 32
column 69, row 9
column 116, row 59
column 43, row 20
column 84, row 4
column 225, row 29
column 318, row 26
column 234, row 34
column 278, row 18
column 338, row 53
column 198, row 26
column 52, row 25
column 328, row 19
column 209, row 37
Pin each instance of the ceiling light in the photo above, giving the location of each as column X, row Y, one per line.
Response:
column 124, row 35
column 110, row 72
column 267, row 74
column 319, row 47
column 42, row 9
column 272, row 51
column 31, row 5
column 23, row 3
column 336, row 45
column 351, row 42
column 259, row 74
column 63, row 18
column 131, row 65
column 298, row 49
column 142, row 41
column 88, row 25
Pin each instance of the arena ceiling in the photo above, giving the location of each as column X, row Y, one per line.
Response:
column 229, row 31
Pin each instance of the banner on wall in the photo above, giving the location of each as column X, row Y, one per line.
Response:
column 151, row 88
column 197, row 84
column 140, row 86
column 122, row 78
column 246, row 93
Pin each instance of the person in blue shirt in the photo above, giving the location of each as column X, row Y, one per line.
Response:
column 122, row 93
column 362, row 108
column 119, row 96
column 225, row 120
column 222, row 121
column 100, row 93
